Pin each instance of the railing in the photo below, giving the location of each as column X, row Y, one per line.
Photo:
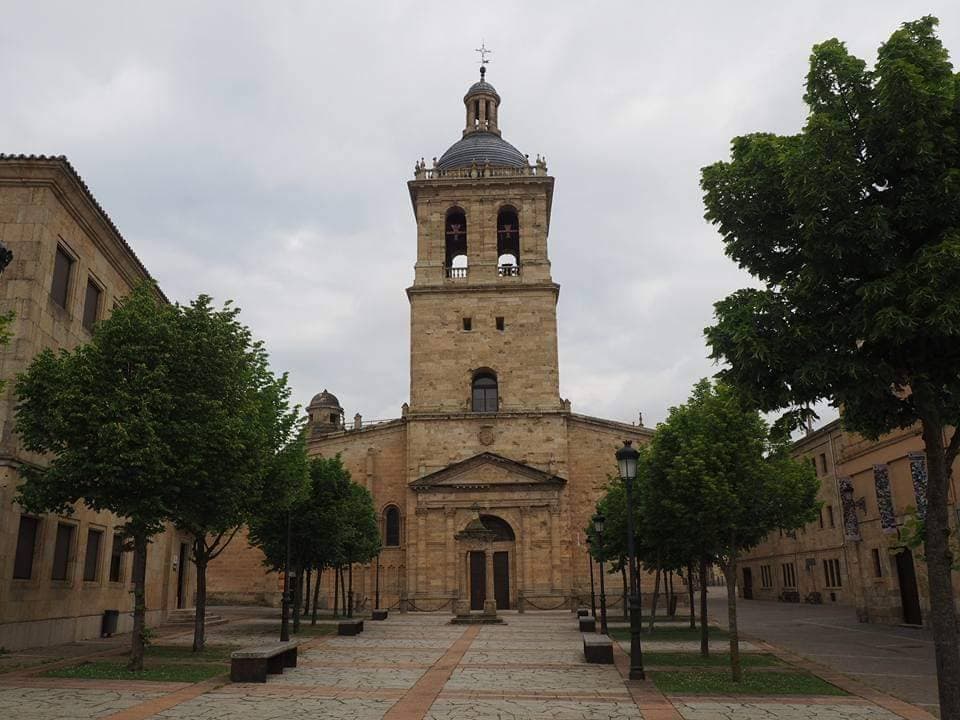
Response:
column 421, row 172
column 508, row 271
column 456, row 273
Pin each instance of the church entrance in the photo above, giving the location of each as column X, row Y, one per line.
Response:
column 478, row 579
column 501, row 580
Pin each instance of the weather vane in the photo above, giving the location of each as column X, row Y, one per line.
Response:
column 483, row 53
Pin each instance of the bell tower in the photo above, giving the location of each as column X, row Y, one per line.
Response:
column 483, row 321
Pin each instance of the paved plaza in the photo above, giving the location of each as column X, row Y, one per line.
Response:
column 412, row 666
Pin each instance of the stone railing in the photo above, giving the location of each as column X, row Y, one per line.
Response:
column 457, row 273
column 422, row 172
column 508, row 270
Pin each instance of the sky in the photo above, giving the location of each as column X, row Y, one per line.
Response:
column 259, row 152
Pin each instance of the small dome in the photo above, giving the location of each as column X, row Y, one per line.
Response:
column 482, row 86
column 480, row 148
column 325, row 399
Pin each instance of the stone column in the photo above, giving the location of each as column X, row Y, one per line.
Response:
column 483, row 114
column 421, row 559
column 451, row 569
column 488, row 556
column 554, row 547
column 525, row 530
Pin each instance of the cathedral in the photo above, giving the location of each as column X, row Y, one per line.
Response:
column 485, row 442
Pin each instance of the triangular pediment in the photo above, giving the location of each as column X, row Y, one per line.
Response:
column 486, row 470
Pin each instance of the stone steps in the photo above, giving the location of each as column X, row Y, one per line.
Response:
column 186, row 616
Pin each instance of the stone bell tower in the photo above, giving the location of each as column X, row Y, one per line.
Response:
column 483, row 322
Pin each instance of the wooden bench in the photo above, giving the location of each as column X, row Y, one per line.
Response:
column 588, row 624
column 253, row 664
column 597, row 649
column 380, row 614
column 350, row 627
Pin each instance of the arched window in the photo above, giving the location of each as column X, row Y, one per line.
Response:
column 455, row 236
column 391, row 526
column 499, row 527
column 485, row 392
column 508, row 242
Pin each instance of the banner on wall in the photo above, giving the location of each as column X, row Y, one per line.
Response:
column 851, row 521
column 881, row 481
column 918, row 471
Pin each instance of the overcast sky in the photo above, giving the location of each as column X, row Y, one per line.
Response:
column 260, row 151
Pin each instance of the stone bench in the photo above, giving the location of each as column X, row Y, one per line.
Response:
column 254, row 663
column 597, row 649
column 588, row 624
column 380, row 614
column 349, row 627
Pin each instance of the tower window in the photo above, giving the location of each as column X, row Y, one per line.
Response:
column 508, row 242
column 468, row 324
column 60, row 289
column 455, row 237
column 485, row 392
column 391, row 526
column 500, row 324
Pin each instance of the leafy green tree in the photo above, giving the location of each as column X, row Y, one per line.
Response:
column 723, row 478
column 852, row 226
column 104, row 416
column 234, row 417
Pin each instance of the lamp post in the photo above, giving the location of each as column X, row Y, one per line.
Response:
column 593, row 594
column 598, row 520
column 627, row 462
column 285, row 616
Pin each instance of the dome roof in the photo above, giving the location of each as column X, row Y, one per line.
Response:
column 480, row 148
column 325, row 399
column 482, row 86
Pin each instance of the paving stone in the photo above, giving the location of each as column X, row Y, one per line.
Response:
column 65, row 703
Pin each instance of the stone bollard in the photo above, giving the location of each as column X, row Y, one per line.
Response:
column 403, row 604
column 490, row 608
column 521, row 603
column 461, row 608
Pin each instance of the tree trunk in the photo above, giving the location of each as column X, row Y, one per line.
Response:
column 939, row 558
column 336, row 592
column 693, row 605
column 623, row 575
column 297, row 598
column 671, row 596
column 200, row 559
column 656, row 596
column 316, row 593
column 730, row 573
column 138, row 639
column 306, row 594
column 343, row 592
column 704, row 629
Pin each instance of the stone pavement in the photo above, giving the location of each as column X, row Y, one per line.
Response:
column 410, row 667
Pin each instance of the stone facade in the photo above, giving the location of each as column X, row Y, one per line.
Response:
column 852, row 554
column 482, row 309
column 45, row 206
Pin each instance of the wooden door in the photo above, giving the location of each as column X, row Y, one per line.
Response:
column 478, row 580
column 909, row 595
column 501, row 579
column 747, row 584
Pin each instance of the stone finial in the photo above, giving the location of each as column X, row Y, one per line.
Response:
column 357, row 421
column 640, row 420
column 404, row 409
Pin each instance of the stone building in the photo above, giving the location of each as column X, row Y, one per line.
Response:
column 853, row 553
column 70, row 266
column 486, row 433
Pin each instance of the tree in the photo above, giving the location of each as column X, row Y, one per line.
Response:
column 852, row 227
column 103, row 416
column 724, row 481
column 234, row 417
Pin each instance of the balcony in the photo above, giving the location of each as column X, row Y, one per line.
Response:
column 508, row 270
column 456, row 273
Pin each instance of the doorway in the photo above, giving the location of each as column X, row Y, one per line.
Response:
column 182, row 575
column 478, row 579
column 747, row 584
column 909, row 595
column 501, row 580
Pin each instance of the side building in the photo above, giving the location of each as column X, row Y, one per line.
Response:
column 70, row 268
column 854, row 553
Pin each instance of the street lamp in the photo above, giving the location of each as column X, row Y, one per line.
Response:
column 287, row 590
column 598, row 521
column 593, row 594
column 627, row 461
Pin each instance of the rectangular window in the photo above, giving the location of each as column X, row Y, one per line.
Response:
column 823, row 463
column 116, row 558
column 877, row 564
column 467, row 324
column 821, row 518
column 91, row 305
column 831, row 573
column 500, row 324
column 830, row 516
column 789, row 575
column 91, row 559
column 766, row 576
column 61, row 552
column 62, row 265
column 26, row 546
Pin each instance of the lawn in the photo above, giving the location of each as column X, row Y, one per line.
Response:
column 112, row 670
column 669, row 633
column 211, row 653
column 706, row 682
column 694, row 659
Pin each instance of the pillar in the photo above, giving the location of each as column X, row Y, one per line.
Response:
column 421, row 559
column 451, row 577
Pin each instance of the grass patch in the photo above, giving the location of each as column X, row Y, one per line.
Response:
column 754, row 683
column 107, row 670
column 690, row 659
column 670, row 633
column 211, row 653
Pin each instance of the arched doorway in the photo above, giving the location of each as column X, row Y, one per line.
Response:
column 489, row 543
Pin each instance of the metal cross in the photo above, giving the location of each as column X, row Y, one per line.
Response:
column 483, row 53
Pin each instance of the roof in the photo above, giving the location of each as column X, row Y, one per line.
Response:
column 325, row 399
column 481, row 86
column 481, row 148
column 457, row 475
column 62, row 161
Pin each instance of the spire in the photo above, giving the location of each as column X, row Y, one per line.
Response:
column 482, row 101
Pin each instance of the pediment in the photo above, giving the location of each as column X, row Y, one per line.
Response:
column 487, row 470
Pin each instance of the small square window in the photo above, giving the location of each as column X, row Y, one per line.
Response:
column 467, row 323
column 500, row 324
